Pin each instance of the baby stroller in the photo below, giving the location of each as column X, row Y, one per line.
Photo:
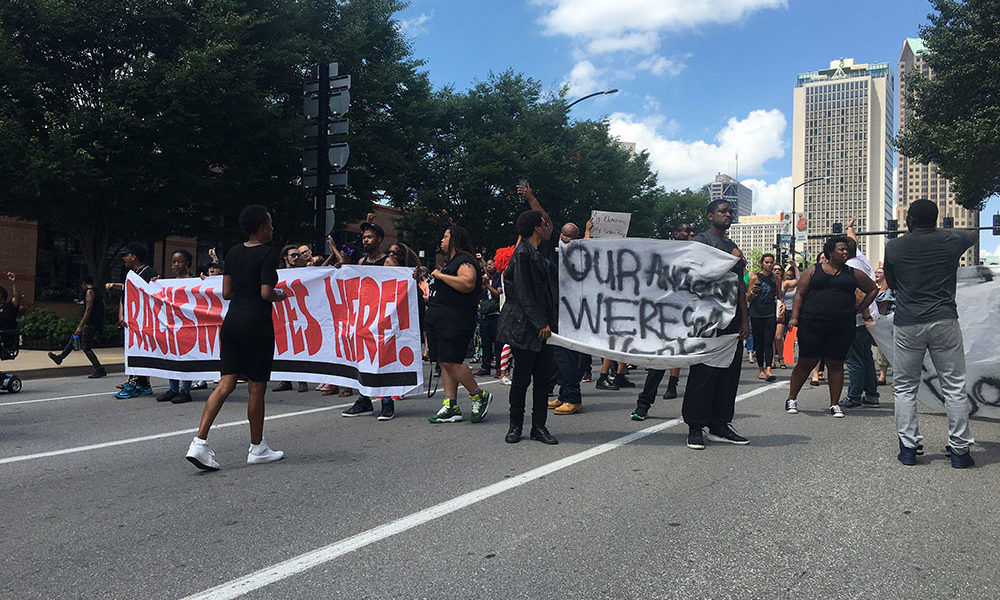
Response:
column 10, row 342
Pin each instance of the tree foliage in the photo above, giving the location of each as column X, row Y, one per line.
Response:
column 955, row 119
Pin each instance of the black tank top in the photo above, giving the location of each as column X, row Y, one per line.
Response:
column 378, row 262
column 831, row 297
column 764, row 303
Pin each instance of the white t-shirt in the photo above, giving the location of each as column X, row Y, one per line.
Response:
column 861, row 263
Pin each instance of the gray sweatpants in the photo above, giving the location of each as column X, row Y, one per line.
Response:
column 943, row 340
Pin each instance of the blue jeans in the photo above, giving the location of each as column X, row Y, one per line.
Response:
column 176, row 385
column 861, row 367
column 567, row 374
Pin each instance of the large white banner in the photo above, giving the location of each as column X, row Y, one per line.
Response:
column 653, row 303
column 978, row 299
column 353, row 326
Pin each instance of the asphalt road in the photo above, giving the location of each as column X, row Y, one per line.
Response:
column 98, row 502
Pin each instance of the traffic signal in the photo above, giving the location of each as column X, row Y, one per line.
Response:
column 948, row 222
column 893, row 228
column 838, row 228
column 996, row 224
column 326, row 101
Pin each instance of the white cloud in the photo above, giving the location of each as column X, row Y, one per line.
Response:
column 584, row 79
column 770, row 198
column 415, row 26
column 601, row 18
column 661, row 65
column 645, row 42
column 757, row 138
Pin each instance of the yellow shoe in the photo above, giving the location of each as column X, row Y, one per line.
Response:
column 568, row 409
column 554, row 403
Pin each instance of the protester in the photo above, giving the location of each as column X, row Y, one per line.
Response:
column 885, row 301
column 526, row 322
column 921, row 268
column 710, row 394
column 683, row 232
column 789, row 278
column 568, row 363
column 292, row 256
column 133, row 258
column 824, row 312
column 372, row 236
column 451, row 321
column 91, row 323
column 860, row 362
column 489, row 319
column 179, row 392
column 246, row 337
column 306, row 258
column 10, row 305
column 762, row 298
column 605, row 381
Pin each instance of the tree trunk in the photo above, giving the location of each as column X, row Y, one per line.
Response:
column 94, row 242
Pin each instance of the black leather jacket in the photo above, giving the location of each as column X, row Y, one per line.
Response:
column 528, row 305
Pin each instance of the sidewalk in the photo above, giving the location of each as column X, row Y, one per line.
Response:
column 36, row 364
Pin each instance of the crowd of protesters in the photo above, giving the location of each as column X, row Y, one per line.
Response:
column 501, row 308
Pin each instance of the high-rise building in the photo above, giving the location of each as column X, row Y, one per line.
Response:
column 916, row 180
column 756, row 232
column 739, row 196
column 842, row 130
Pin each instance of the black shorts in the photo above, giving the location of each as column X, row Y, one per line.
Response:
column 448, row 346
column 825, row 339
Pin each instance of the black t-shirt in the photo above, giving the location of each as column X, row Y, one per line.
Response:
column 96, row 319
column 251, row 267
column 449, row 310
column 8, row 316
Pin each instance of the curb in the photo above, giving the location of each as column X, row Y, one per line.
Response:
column 69, row 371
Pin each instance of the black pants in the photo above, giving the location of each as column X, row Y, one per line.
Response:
column 535, row 368
column 763, row 329
column 86, row 344
column 648, row 394
column 710, row 393
column 490, row 343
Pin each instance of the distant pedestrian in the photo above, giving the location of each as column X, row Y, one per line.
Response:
column 762, row 299
column 921, row 268
column 179, row 391
column 91, row 323
column 789, row 279
column 824, row 312
column 247, row 336
column 860, row 362
column 489, row 319
column 134, row 258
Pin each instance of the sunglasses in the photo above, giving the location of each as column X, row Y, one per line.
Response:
column 396, row 252
column 293, row 254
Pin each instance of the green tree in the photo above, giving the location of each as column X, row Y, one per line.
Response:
column 955, row 119
column 131, row 120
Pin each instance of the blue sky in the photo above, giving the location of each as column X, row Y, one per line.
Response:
column 700, row 80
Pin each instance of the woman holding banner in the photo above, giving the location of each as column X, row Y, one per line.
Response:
column 825, row 303
column 246, row 337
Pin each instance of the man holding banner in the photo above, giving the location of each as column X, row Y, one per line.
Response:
column 710, row 395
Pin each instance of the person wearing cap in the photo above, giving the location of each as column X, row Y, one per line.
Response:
column 372, row 236
column 134, row 258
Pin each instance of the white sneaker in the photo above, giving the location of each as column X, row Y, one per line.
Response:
column 201, row 456
column 262, row 453
column 791, row 406
column 505, row 380
column 836, row 411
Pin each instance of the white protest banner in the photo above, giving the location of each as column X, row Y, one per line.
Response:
column 609, row 224
column 654, row 303
column 978, row 300
column 354, row 326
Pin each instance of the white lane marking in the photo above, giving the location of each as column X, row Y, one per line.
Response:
column 308, row 560
column 158, row 436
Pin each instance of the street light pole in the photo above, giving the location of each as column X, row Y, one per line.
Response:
column 578, row 100
column 791, row 247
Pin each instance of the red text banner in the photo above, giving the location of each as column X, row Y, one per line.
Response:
column 354, row 326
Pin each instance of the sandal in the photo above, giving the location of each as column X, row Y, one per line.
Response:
column 345, row 394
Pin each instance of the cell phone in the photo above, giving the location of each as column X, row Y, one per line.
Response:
column 523, row 182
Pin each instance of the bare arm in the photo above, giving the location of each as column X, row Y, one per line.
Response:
column 849, row 229
column 588, row 229
column 88, row 300
column 268, row 293
column 866, row 285
column 527, row 194
column 15, row 298
column 464, row 281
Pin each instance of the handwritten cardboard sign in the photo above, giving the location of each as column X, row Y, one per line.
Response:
column 609, row 224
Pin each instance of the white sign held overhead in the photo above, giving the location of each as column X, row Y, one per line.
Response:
column 609, row 224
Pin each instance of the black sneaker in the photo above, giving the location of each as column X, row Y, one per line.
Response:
column 166, row 396
column 671, row 392
column 603, row 383
column 959, row 461
column 388, row 410
column 55, row 358
column 727, row 435
column 696, row 439
column 98, row 374
column 181, row 397
column 622, row 381
column 359, row 408
column 640, row 413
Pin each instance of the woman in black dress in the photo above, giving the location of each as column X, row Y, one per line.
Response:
column 247, row 336
column 824, row 309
